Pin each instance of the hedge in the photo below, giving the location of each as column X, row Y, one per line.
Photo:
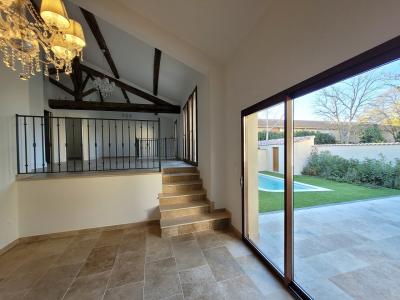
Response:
column 375, row 172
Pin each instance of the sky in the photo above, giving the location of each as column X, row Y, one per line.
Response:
column 304, row 106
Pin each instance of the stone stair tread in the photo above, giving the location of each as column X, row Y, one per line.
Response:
column 180, row 194
column 186, row 220
column 180, row 174
column 178, row 206
column 184, row 183
column 178, row 170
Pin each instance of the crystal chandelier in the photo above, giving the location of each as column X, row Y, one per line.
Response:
column 104, row 86
column 24, row 34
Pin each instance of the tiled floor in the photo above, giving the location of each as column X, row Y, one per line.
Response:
column 345, row 251
column 136, row 263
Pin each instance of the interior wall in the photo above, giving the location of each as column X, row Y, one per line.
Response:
column 17, row 97
column 292, row 42
column 73, row 203
column 210, row 88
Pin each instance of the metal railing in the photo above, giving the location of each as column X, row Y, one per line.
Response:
column 47, row 144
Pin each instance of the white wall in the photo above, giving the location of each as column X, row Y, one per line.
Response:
column 210, row 89
column 293, row 41
column 20, row 97
column 72, row 203
column 390, row 152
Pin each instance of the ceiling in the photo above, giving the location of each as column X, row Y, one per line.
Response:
column 214, row 26
column 134, row 60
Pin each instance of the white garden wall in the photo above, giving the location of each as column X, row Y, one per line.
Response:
column 391, row 151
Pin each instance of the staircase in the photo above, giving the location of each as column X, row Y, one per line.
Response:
column 184, row 206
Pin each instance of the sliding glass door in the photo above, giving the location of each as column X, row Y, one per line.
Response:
column 321, row 181
column 190, row 145
column 264, row 167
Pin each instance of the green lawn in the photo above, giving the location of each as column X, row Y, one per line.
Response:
column 341, row 192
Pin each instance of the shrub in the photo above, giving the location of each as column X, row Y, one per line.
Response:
column 320, row 137
column 271, row 135
column 375, row 172
column 371, row 134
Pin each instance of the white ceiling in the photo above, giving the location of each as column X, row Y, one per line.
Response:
column 134, row 61
column 214, row 26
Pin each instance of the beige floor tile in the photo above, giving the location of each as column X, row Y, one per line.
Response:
column 199, row 283
column 110, row 238
column 174, row 297
column 188, row 255
column 99, row 260
column 209, row 239
column 222, row 264
column 88, row 287
column 265, row 281
column 240, row 288
column 161, row 279
column 133, row 291
column 279, row 295
column 158, row 248
column 13, row 295
column 127, row 270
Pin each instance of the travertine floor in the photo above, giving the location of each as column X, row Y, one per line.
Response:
column 346, row 251
column 136, row 263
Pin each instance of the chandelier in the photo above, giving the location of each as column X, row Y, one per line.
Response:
column 104, row 86
column 24, row 34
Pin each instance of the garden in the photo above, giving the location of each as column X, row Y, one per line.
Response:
column 348, row 180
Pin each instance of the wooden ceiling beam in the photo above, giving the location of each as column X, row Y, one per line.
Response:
column 112, row 106
column 89, row 92
column 156, row 70
column 127, row 87
column 95, row 28
column 61, row 86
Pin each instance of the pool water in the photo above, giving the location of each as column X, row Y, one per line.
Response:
column 269, row 183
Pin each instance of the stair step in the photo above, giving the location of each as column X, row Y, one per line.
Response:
column 194, row 223
column 179, row 170
column 180, row 177
column 182, row 186
column 181, row 197
column 184, row 209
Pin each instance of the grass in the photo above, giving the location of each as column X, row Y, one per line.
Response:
column 341, row 192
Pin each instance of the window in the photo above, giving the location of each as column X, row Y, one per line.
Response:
column 190, row 152
column 321, row 179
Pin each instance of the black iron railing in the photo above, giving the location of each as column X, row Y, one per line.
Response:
column 47, row 144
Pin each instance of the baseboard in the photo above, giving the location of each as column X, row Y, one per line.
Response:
column 57, row 235
column 9, row 246
column 235, row 231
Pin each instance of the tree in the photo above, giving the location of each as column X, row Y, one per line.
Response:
column 385, row 111
column 371, row 134
column 343, row 103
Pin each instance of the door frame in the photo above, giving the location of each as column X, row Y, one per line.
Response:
column 377, row 56
column 188, row 137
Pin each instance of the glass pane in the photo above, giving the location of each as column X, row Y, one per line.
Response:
column 347, row 187
column 264, row 183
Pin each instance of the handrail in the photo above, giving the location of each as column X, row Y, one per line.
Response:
column 53, row 144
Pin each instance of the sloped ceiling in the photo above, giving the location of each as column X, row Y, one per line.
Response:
column 214, row 26
column 134, row 60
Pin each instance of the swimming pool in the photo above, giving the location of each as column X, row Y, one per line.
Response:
column 274, row 184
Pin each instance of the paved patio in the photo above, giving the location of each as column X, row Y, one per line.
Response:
column 344, row 251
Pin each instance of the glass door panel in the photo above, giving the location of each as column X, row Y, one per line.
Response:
column 346, row 191
column 264, row 167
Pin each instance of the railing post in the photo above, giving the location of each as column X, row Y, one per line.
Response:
column 17, row 139
column 159, row 145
